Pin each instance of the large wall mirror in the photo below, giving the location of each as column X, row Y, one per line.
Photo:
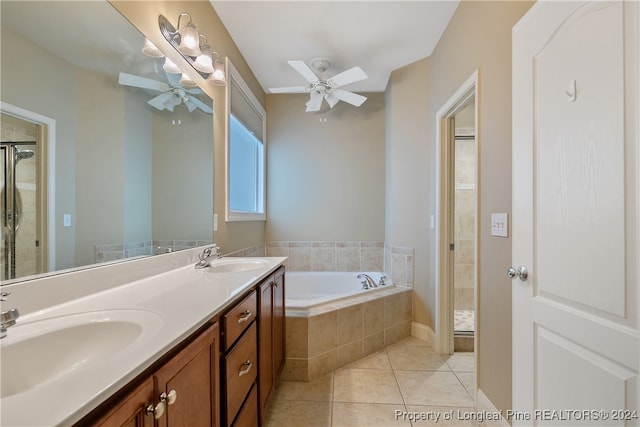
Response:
column 106, row 154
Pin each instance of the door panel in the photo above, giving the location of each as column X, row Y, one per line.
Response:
column 575, row 213
column 579, row 171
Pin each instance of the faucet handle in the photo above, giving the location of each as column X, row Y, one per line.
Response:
column 383, row 279
column 8, row 318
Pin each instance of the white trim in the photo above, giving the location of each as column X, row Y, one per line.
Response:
column 444, row 293
column 50, row 144
column 234, row 76
column 485, row 405
column 423, row 332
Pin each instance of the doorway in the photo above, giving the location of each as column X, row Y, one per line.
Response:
column 463, row 162
column 20, row 199
column 457, row 190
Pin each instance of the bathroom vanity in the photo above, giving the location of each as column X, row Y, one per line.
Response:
column 184, row 346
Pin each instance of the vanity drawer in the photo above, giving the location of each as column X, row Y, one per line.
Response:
column 241, row 367
column 239, row 318
column 248, row 416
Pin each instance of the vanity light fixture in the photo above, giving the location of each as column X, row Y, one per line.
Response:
column 187, row 82
column 204, row 61
column 151, row 50
column 218, row 77
column 170, row 67
column 194, row 48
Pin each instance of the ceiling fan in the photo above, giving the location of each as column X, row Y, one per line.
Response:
column 171, row 94
column 329, row 89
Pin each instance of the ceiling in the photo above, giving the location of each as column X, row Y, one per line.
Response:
column 378, row 36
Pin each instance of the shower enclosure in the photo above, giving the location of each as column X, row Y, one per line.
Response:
column 19, row 209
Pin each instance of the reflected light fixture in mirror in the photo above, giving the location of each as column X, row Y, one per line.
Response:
column 194, row 48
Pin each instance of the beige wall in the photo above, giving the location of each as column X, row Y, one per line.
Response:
column 325, row 178
column 410, row 178
column 144, row 15
column 182, row 177
column 99, row 164
column 478, row 37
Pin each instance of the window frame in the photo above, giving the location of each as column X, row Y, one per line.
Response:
column 235, row 78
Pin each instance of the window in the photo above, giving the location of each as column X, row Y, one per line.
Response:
column 245, row 151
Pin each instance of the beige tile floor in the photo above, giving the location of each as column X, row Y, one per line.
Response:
column 378, row 390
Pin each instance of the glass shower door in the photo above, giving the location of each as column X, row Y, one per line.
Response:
column 19, row 210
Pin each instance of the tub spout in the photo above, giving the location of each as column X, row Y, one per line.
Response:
column 367, row 281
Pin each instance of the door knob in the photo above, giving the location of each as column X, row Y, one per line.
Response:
column 522, row 273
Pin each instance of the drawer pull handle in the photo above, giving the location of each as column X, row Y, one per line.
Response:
column 244, row 316
column 157, row 410
column 246, row 370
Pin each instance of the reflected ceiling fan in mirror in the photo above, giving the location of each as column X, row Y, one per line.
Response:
column 171, row 94
column 329, row 89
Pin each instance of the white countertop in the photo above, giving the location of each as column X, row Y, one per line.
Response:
column 178, row 302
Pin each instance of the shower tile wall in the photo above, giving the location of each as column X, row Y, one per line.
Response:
column 26, row 251
column 465, row 218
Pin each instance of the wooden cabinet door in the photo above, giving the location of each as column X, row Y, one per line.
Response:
column 131, row 411
column 265, row 341
column 190, row 382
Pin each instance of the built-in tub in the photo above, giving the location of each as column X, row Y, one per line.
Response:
column 308, row 289
column 332, row 321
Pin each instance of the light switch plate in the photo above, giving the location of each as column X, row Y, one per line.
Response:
column 66, row 219
column 500, row 224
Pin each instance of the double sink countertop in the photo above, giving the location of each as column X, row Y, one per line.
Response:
column 59, row 362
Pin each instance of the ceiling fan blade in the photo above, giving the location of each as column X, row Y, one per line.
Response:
column 160, row 100
column 352, row 75
column 292, row 89
column 315, row 102
column 350, row 97
column 142, row 82
column 304, row 69
column 190, row 105
column 201, row 105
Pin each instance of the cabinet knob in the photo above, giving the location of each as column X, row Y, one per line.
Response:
column 157, row 410
column 244, row 316
column 246, row 370
column 170, row 398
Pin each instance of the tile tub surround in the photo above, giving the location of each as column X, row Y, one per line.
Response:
column 329, row 255
column 398, row 264
column 116, row 251
column 334, row 334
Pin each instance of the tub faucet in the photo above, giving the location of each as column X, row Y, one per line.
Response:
column 367, row 281
column 208, row 254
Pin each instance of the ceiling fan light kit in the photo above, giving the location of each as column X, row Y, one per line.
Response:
column 328, row 90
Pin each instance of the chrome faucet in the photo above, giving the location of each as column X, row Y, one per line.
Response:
column 8, row 318
column 367, row 281
column 208, row 254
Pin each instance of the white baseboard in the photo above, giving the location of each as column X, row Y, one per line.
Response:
column 484, row 404
column 423, row 332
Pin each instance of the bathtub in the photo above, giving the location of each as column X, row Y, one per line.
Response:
column 308, row 289
column 332, row 321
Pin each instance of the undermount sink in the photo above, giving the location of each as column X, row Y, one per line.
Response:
column 236, row 265
column 39, row 352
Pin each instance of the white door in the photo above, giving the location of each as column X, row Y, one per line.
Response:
column 576, row 199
